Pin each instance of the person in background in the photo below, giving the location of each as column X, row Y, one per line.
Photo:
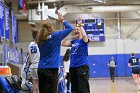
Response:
column 112, row 64
column 34, row 58
column 79, row 68
column 26, row 85
column 134, row 64
column 21, row 57
column 49, row 42
column 61, row 80
column 66, row 61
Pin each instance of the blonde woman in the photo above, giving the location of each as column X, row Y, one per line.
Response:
column 49, row 42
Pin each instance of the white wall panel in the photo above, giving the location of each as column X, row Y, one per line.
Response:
column 109, row 47
column 112, row 46
column 24, row 32
column 23, row 45
column 132, row 46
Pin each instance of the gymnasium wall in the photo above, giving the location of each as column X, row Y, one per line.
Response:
column 100, row 55
column 127, row 27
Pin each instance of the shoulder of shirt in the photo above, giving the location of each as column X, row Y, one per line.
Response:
column 32, row 43
column 67, row 61
column 49, row 37
column 72, row 40
column 52, row 35
column 76, row 39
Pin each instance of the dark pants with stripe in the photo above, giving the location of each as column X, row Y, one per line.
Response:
column 48, row 80
column 79, row 77
column 112, row 71
column 68, row 81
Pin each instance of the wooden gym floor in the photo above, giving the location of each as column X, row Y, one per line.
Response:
column 105, row 85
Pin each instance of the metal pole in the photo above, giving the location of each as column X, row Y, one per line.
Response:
column 119, row 25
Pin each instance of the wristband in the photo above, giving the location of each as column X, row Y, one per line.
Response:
column 79, row 25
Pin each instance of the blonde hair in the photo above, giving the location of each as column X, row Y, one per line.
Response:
column 44, row 32
column 133, row 54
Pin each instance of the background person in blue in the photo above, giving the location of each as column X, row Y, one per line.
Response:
column 79, row 69
column 49, row 43
column 66, row 62
column 134, row 64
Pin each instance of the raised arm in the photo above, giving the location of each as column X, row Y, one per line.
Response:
column 67, row 30
column 66, row 43
column 84, row 36
column 62, row 20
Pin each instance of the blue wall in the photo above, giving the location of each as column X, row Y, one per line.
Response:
column 99, row 67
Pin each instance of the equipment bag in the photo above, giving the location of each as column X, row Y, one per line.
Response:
column 5, row 86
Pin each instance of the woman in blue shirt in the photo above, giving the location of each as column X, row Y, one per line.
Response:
column 79, row 69
column 49, row 43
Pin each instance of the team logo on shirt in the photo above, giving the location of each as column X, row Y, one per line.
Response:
column 75, row 48
column 134, row 60
column 49, row 37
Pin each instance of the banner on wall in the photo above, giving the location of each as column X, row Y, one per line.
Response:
column 14, row 28
column 7, row 18
column 20, row 3
column 1, row 19
column 24, row 5
column 11, row 55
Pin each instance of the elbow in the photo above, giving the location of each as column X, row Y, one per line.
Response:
column 71, row 28
column 62, row 45
column 85, row 39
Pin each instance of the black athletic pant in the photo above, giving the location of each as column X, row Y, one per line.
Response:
column 68, row 81
column 112, row 70
column 79, row 77
column 48, row 80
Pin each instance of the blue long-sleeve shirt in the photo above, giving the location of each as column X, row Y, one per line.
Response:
column 50, row 49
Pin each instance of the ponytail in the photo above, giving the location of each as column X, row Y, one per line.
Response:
column 45, row 31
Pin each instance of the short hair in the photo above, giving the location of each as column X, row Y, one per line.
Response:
column 34, row 33
column 132, row 54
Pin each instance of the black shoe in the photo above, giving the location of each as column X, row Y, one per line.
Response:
column 112, row 80
column 68, row 91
